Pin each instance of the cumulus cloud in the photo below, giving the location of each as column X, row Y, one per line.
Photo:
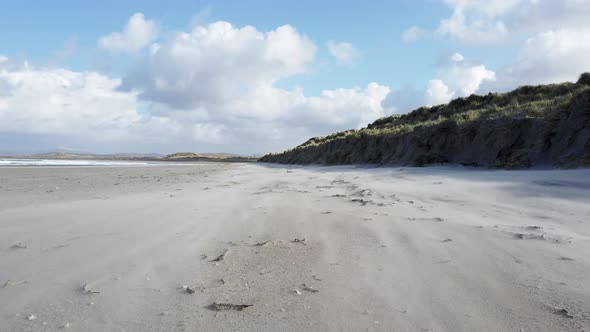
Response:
column 220, row 64
column 209, row 133
column 549, row 57
column 438, row 92
column 73, row 104
column 472, row 30
column 464, row 78
column 482, row 22
column 230, row 73
column 551, row 33
column 341, row 108
column 344, row 53
column 455, row 77
column 213, row 88
column 487, row 8
column 457, row 57
column 537, row 16
column 137, row 34
column 478, row 21
column 413, row 33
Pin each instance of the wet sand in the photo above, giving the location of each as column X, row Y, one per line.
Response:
column 309, row 248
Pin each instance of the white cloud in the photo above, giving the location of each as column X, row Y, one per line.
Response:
column 472, row 30
column 551, row 32
column 481, row 22
column 209, row 133
column 213, row 88
column 74, row 104
column 487, row 8
column 455, row 77
column 137, row 34
column 464, row 79
column 549, row 57
column 413, row 33
column 457, row 57
column 229, row 74
column 341, row 108
column 437, row 92
column 345, row 53
column 221, row 66
column 544, row 15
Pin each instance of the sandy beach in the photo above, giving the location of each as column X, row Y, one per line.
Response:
column 218, row 247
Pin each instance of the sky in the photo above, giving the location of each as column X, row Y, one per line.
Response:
column 252, row 77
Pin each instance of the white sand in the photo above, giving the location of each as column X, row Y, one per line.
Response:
column 433, row 249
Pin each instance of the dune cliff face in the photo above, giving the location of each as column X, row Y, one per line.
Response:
column 532, row 125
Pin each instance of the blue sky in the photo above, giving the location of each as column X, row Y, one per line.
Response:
column 373, row 28
column 108, row 76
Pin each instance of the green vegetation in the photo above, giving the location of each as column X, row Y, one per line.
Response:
column 425, row 125
column 540, row 101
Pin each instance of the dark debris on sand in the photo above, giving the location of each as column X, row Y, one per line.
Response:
column 220, row 257
column 228, row 306
column 302, row 241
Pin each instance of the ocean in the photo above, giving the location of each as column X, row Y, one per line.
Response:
column 64, row 162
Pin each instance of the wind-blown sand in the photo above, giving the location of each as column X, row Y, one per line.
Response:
column 432, row 249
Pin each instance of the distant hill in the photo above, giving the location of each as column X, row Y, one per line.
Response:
column 184, row 156
column 87, row 156
column 226, row 157
column 531, row 125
